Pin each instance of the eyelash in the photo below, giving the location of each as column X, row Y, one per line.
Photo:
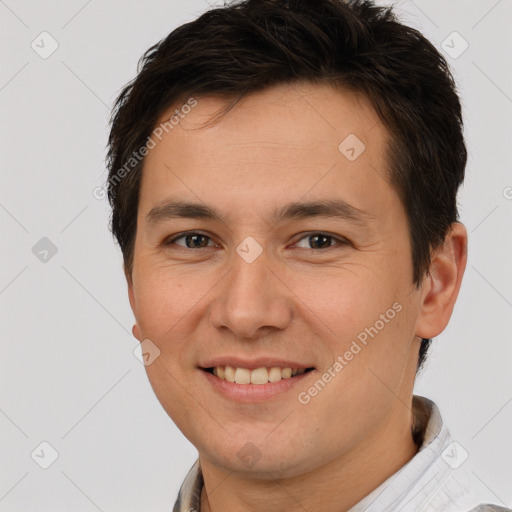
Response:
column 341, row 241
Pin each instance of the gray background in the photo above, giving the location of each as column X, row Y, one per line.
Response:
column 68, row 373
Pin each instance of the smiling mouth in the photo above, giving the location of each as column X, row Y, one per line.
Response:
column 257, row 376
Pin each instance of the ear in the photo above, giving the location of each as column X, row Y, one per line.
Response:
column 131, row 297
column 441, row 286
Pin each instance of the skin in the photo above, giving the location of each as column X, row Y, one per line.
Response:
column 295, row 301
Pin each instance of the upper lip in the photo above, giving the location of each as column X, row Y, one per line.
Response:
column 252, row 364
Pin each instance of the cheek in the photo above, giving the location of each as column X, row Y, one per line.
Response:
column 344, row 300
column 162, row 298
column 170, row 310
column 366, row 315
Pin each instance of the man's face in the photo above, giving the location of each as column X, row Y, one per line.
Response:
column 255, row 289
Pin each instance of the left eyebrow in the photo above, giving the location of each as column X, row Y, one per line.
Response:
column 180, row 209
column 335, row 208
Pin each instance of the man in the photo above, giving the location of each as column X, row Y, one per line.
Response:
column 283, row 178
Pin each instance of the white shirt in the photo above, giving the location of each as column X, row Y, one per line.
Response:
column 432, row 481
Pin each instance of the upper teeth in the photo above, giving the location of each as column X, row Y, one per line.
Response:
column 256, row 376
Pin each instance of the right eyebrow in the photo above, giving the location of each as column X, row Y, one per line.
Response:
column 180, row 209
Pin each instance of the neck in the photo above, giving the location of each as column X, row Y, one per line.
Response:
column 334, row 487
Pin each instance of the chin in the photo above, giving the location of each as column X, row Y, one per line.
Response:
column 269, row 457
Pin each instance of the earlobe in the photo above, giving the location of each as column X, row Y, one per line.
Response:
column 442, row 284
column 136, row 332
column 131, row 297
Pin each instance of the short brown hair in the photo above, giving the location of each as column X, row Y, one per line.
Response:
column 248, row 46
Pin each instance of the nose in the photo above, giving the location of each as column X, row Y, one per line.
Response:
column 251, row 300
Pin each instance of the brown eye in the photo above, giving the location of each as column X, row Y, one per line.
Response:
column 191, row 240
column 321, row 241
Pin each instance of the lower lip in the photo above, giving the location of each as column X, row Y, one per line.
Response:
column 253, row 392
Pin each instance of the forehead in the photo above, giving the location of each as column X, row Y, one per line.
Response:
column 301, row 115
column 284, row 140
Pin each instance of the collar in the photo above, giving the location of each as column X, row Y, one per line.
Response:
column 430, row 482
